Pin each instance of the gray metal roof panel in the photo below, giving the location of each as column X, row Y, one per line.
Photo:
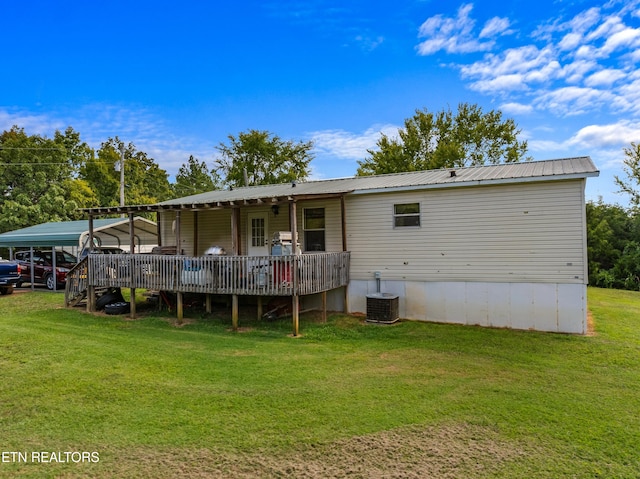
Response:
column 581, row 166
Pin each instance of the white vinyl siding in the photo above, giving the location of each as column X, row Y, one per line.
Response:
column 214, row 229
column 529, row 232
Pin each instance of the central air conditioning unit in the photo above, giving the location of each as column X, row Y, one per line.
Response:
column 382, row 308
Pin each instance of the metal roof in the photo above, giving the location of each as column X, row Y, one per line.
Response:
column 109, row 231
column 568, row 168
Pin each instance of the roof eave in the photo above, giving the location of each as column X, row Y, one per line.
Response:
column 480, row 182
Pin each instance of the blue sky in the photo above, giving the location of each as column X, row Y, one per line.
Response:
column 175, row 78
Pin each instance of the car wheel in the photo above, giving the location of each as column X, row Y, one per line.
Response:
column 6, row 290
column 19, row 284
column 49, row 282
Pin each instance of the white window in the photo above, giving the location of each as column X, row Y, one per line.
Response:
column 406, row 214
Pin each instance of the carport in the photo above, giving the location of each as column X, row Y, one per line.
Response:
column 133, row 234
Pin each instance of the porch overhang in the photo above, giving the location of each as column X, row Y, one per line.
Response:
column 208, row 205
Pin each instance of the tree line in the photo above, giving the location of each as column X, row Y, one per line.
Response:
column 52, row 179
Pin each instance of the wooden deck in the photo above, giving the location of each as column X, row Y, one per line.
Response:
column 293, row 275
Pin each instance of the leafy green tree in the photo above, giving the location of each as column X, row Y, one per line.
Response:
column 470, row 137
column 631, row 167
column 145, row 181
column 34, row 175
column 194, row 177
column 264, row 157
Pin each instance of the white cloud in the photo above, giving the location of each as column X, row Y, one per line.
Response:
column 512, row 70
column 496, row 26
column 569, row 101
column 33, row 124
column 605, row 77
column 350, row 146
column 515, row 108
column 618, row 134
column 568, row 66
column 453, row 35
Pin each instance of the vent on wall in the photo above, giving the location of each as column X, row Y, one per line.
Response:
column 382, row 308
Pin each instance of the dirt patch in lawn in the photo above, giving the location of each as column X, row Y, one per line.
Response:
column 451, row 451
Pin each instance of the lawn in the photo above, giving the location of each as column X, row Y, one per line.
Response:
column 100, row 396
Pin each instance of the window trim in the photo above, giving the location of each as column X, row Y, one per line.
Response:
column 397, row 216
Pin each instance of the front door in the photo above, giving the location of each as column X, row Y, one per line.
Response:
column 258, row 231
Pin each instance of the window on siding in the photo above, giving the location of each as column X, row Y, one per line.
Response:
column 406, row 214
column 314, row 227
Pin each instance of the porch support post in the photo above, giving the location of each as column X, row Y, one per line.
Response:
column 91, row 292
column 343, row 216
column 235, row 250
column 343, row 220
column 158, row 228
column 132, row 310
column 179, row 306
column 295, row 309
column 178, row 235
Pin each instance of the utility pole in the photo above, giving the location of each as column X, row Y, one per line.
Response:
column 122, row 176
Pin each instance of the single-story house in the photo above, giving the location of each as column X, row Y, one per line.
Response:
column 501, row 245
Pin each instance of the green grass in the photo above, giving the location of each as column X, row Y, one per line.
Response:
column 128, row 389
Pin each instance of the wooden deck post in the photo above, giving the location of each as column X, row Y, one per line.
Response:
column 132, row 304
column 132, row 248
column 207, row 303
column 296, row 314
column 324, row 306
column 234, row 311
column 259, row 308
column 179, row 307
column 91, row 291
column 235, row 250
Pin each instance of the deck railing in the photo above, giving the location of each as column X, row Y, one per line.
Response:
column 76, row 285
column 242, row 275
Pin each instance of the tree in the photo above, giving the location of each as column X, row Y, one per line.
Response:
column 145, row 181
column 194, row 177
column 266, row 158
column 444, row 140
column 34, row 178
column 631, row 168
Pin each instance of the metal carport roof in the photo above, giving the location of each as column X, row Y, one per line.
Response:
column 109, row 232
